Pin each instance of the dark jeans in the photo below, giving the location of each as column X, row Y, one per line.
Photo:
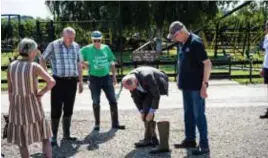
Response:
column 63, row 97
column 194, row 115
column 105, row 83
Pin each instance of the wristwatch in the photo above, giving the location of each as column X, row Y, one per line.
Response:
column 206, row 83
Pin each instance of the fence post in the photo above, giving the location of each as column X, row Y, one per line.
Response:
column 122, row 66
column 216, row 41
column 157, row 64
column 230, row 67
column 250, row 68
column 38, row 32
column 175, row 70
column 51, row 31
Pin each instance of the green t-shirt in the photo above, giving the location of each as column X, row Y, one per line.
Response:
column 99, row 60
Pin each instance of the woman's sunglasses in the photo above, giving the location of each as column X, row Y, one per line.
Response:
column 96, row 41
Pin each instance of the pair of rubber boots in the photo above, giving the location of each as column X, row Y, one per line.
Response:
column 66, row 124
column 114, row 117
column 150, row 138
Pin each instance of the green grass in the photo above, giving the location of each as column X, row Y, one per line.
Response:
column 246, row 81
column 166, row 68
column 4, row 58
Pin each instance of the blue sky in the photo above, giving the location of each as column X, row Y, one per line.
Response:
column 34, row 8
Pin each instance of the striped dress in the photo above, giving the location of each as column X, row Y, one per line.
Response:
column 27, row 123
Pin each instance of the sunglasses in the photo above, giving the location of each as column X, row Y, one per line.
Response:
column 96, row 41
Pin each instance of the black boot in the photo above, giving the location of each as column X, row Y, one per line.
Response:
column 265, row 116
column 201, row 151
column 54, row 126
column 114, row 117
column 186, row 144
column 163, row 128
column 96, row 110
column 66, row 124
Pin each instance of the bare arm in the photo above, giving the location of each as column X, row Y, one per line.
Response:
column 46, row 55
column 80, row 71
column 207, row 70
column 48, row 79
column 43, row 63
column 113, row 68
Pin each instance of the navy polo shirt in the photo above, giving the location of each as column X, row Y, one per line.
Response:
column 190, row 63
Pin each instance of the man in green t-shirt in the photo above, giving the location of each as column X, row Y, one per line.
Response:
column 99, row 59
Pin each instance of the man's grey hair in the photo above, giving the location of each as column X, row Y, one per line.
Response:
column 26, row 46
column 129, row 79
column 68, row 30
column 184, row 29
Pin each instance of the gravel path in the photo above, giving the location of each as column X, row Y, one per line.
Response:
column 233, row 132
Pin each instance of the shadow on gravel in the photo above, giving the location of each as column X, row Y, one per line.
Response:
column 144, row 152
column 37, row 155
column 66, row 149
column 189, row 154
column 95, row 138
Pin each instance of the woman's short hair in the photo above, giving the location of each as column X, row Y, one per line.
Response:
column 26, row 46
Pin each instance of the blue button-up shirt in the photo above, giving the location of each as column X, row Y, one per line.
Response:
column 63, row 60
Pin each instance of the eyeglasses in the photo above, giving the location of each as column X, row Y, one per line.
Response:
column 96, row 41
column 175, row 35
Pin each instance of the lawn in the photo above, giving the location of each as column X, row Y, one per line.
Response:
column 167, row 68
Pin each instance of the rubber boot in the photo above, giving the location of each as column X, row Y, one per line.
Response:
column 154, row 139
column 96, row 110
column 54, row 127
column 150, row 136
column 147, row 137
column 163, row 129
column 66, row 124
column 114, row 117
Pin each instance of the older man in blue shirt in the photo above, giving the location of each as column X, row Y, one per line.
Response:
column 66, row 66
column 194, row 72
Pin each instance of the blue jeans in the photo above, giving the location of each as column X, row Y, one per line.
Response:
column 194, row 115
column 104, row 83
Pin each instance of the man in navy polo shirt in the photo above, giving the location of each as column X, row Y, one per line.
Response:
column 193, row 75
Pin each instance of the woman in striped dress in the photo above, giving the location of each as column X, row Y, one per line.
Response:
column 27, row 123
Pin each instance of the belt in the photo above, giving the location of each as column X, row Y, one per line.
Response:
column 65, row 78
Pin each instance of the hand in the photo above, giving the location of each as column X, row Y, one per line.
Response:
column 149, row 117
column 262, row 73
column 80, row 87
column 114, row 80
column 203, row 91
column 85, row 65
